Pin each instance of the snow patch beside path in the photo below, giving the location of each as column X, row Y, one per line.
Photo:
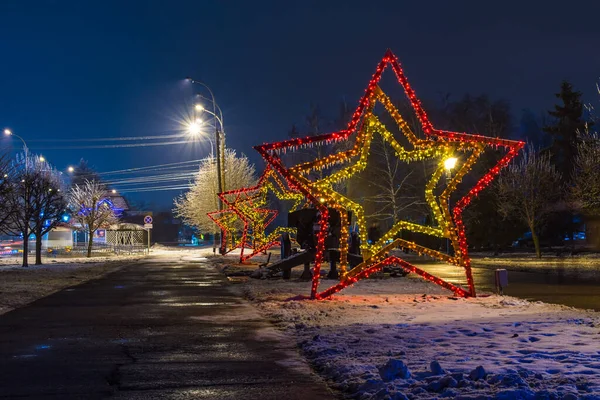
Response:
column 404, row 338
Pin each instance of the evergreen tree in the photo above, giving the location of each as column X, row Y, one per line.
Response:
column 84, row 172
column 568, row 121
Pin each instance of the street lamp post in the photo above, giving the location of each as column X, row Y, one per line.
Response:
column 8, row 132
column 449, row 165
column 219, row 144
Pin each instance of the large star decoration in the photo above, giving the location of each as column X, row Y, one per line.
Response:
column 442, row 142
column 249, row 204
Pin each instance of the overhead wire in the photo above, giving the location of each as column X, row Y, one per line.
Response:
column 150, row 167
column 112, row 139
column 113, row 146
column 155, row 188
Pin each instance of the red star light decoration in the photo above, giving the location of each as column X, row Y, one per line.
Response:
column 296, row 177
column 229, row 222
column 249, row 204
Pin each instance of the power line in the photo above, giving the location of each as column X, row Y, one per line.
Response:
column 112, row 139
column 154, row 178
column 149, row 167
column 155, row 188
column 112, row 146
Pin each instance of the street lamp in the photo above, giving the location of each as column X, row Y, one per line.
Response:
column 42, row 158
column 8, row 132
column 449, row 165
column 194, row 128
column 71, row 169
column 219, row 140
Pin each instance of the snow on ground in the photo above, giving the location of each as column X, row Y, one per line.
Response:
column 20, row 286
column 399, row 338
column 10, row 262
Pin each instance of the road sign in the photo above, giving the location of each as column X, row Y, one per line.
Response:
column 147, row 226
column 148, row 219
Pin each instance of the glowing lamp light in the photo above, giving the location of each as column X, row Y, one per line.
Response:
column 71, row 169
column 114, row 191
column 42, row 158
column 199, row 107
column 7, row 132
column 194, row 128
column 322, row 200
column 450, row 163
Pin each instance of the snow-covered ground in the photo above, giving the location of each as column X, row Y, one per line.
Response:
column 20, row 286
column 400, row 338
column 9, row 262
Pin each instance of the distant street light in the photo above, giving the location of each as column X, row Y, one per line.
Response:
column 71, row 169
column 8, row 132
column 114, row 191
column 42, row 159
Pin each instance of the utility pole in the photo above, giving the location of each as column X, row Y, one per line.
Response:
column 219, row 144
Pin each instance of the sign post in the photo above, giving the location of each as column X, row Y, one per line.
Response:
column 148, row 228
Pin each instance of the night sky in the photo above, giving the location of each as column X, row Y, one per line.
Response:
column 76, row 69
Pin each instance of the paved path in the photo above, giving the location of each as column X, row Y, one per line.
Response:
column 166, row 328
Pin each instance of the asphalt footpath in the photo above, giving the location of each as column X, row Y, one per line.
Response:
column 169, row 327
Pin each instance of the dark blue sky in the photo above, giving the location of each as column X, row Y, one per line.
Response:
column 113, row 68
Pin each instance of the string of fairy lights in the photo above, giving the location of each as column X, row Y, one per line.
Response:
column 249, row 205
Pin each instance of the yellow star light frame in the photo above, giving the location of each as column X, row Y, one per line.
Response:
column 438, row 144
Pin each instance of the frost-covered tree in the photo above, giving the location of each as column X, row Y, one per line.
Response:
column 49, row 204
column 5, row 190
column 202, row 198
column 35, row 202
column 90, row 208
column 528, row 189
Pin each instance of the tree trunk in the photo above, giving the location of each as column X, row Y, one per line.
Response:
column 25, row 248
column 536, row 241
column 90, row 242
column 38, row 248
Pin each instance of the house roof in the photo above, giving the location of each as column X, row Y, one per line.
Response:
column 118, row 201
